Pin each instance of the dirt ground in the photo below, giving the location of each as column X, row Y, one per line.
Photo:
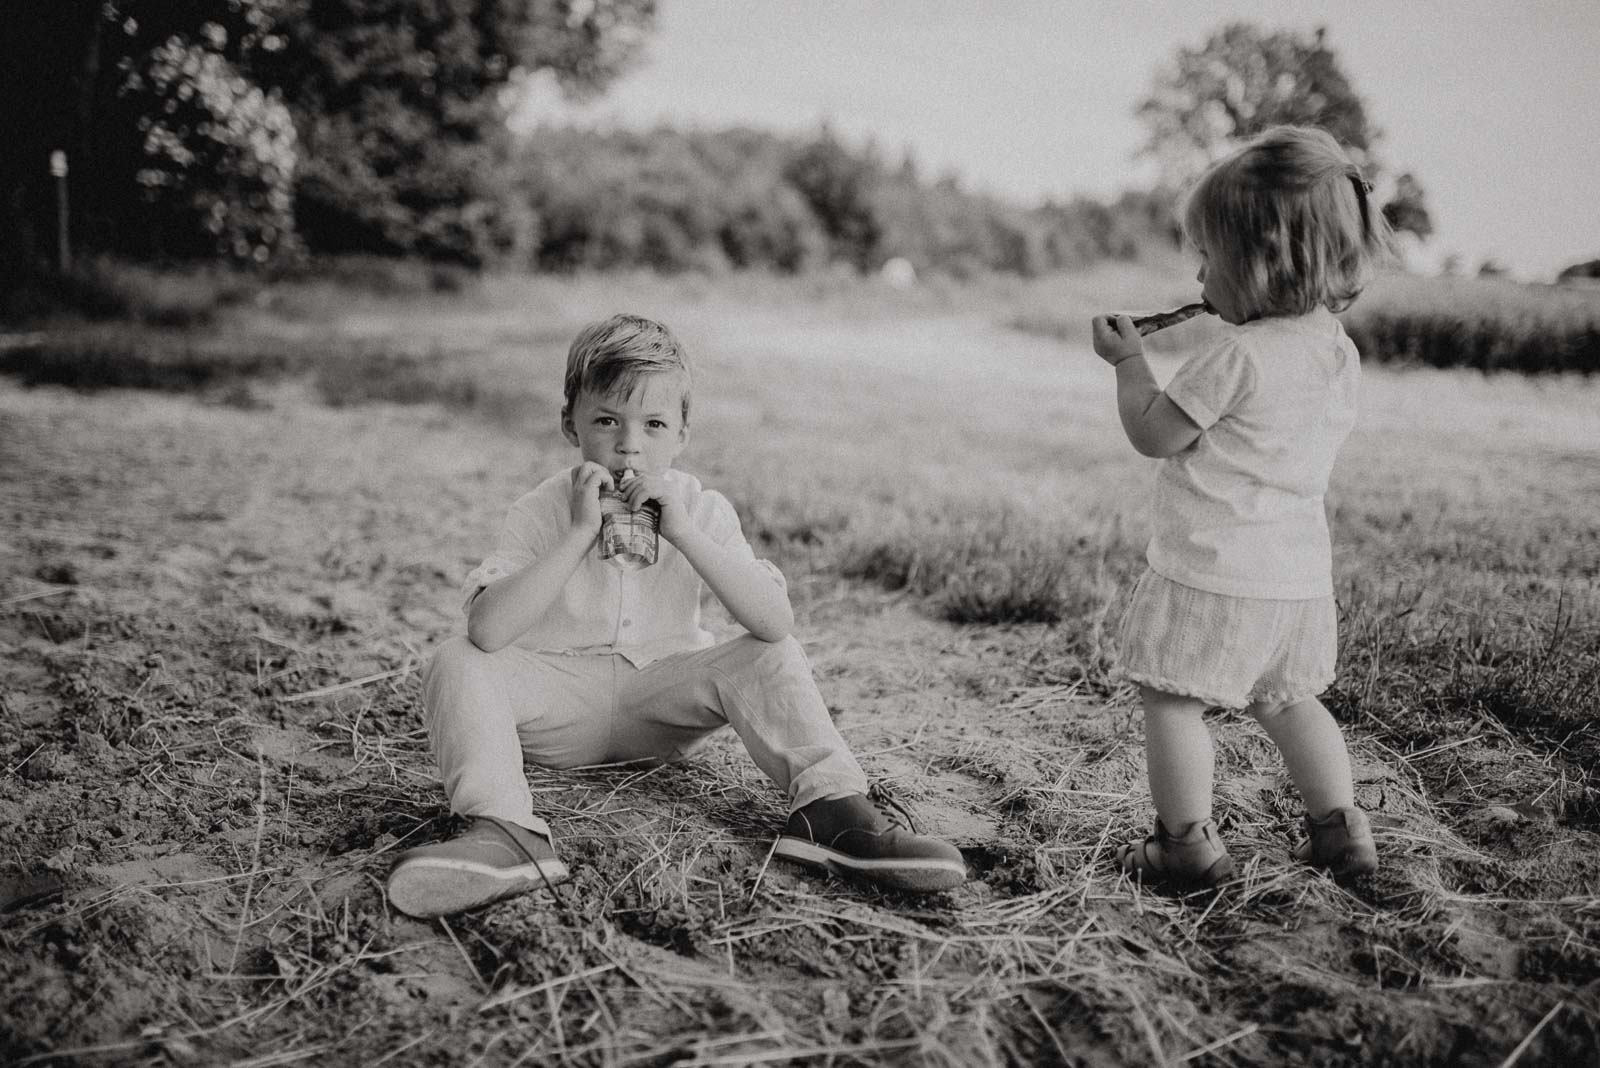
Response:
column 213, row 609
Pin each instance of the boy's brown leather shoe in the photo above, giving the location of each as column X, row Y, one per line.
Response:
column 490, row 860
column 869, row 836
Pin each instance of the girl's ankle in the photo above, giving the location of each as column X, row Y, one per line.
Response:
column 1187, row 830
column 1327, row 814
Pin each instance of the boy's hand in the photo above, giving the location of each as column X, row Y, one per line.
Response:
column 587, row 480
column 642, row 488
column 1116, row 339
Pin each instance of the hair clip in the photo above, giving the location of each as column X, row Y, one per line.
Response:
column 1363, row 188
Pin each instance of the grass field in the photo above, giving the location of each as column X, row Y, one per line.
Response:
column 219, row 577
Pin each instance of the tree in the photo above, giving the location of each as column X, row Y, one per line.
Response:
column 1243, row 80
column 398, row 109
column 194, row 126
column 668, row 199
column 1579, row 272
column 1237, row 84
column 1408, row 209
column 216, row 155
column 171, row 150
column 839, row 186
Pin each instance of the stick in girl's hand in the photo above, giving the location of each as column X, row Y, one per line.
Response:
column 1149, row 324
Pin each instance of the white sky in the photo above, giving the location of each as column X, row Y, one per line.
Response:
column 1493, row 104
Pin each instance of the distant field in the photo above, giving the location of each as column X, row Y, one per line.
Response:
column 1487, row 324
column 233, row 533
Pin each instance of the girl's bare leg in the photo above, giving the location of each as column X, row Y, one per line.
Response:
column 1313, row 750
column 1178, row 757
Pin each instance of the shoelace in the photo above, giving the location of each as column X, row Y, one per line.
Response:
column 506, row 829
column 886, row 803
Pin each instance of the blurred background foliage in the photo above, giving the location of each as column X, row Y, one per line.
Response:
column 1243, row 80
column 264, row 129
column 269, row 131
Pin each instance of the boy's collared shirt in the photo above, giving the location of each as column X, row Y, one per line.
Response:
column 642, row 615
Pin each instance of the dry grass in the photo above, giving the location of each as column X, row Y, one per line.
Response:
column 213, row 616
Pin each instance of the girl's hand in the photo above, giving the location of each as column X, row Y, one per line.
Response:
column 1116, row 339
column 644, row 488
column 587, row 480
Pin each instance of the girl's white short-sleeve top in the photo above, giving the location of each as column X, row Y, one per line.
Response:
column 1240, row 511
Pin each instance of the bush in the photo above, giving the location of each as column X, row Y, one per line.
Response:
column 1438, row 339
column 383, row 276
column 137, row 360
column 218, row 158
column 1490, row 324
column 705, row 200
column 106, row 289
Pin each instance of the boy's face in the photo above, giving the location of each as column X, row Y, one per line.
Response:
column 643, row 430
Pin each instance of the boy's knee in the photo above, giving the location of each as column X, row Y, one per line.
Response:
column 787, row 652
column 770, row 658
column 456, row 660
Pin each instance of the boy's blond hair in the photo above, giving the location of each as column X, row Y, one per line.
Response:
column 1287, row 223
column 609, row 357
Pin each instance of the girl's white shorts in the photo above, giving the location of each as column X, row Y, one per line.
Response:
column 1227, row 651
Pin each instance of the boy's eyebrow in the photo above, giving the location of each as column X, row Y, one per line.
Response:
column 603, row 410
column 608, row 410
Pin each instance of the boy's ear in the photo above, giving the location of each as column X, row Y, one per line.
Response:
column 569, row 429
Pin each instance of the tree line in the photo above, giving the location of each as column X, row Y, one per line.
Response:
column 711, row 200
column 254, row 129
column 264, row 131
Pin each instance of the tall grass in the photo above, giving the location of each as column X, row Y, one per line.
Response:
column 101, row 289
column 1419, row 671
column 344, row 371
column 981, row 566
column 200, row 295
column 1483, row 323
column 138, row 358
column 457, row 381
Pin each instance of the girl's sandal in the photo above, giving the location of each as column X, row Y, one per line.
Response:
column 1195, row 858
column 1341, row 842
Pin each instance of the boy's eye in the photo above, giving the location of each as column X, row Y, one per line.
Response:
column 658, row 424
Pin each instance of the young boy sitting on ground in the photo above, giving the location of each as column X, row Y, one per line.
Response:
column 570, row 661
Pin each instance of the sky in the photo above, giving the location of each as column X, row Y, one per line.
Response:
column 1494, row 106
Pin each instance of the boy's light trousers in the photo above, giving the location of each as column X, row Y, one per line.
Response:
column 487, row 711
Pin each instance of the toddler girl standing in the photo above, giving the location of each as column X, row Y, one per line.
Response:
column 1236, row 607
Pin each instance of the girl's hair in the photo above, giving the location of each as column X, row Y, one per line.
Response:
column 610, row 357
column 1287, row 223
